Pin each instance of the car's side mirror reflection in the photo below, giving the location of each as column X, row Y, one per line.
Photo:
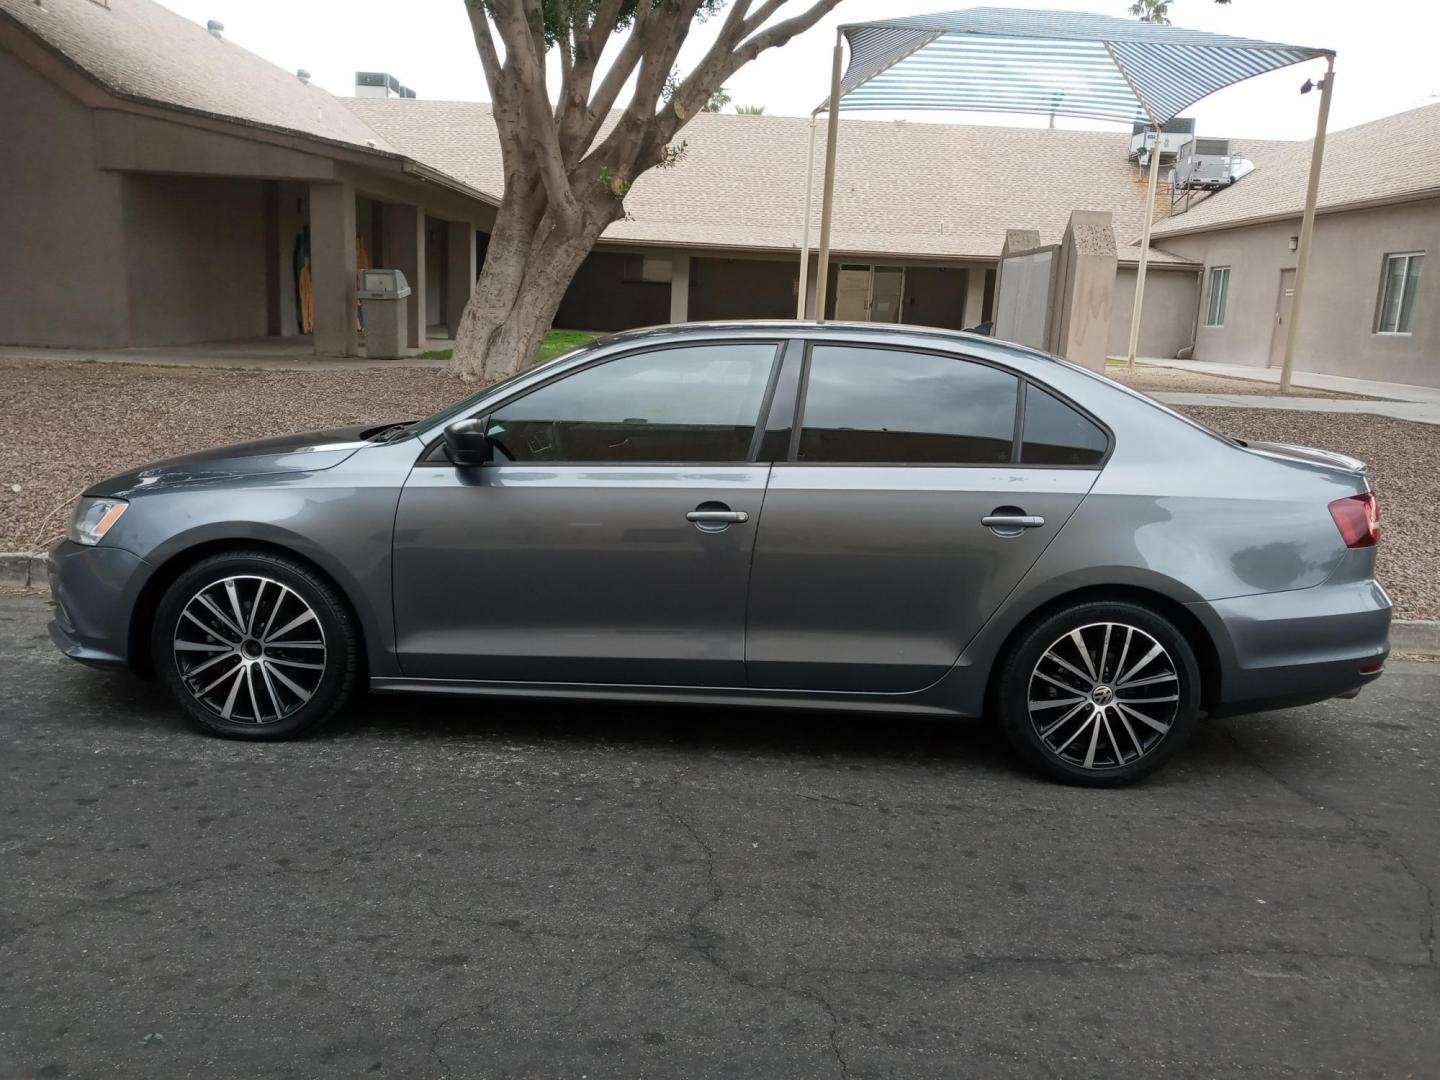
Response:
column 467, row 443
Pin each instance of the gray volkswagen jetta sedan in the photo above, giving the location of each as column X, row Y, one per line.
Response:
column 788, row 515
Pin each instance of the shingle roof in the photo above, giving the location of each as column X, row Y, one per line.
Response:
column 926, row 190
column 139, row 50
column 1394, row 158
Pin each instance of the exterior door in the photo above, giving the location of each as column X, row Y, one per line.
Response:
column 1284, row 301
column 852, row 293
column 887, row 284
column 874, row 565
column 610, row 540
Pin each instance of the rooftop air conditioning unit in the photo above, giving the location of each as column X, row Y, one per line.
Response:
column 1206, row 164
column 1173, row 136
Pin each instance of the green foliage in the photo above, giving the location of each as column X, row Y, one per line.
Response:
column 750, row 110
column 561, row 15
column 718, row 100
column 559, row 342
column 617, row 184
column 1156, row 11
column 1152, row 11
column 556, row 343
column 671, row 155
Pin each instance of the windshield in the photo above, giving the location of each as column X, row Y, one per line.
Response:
column 451, row 412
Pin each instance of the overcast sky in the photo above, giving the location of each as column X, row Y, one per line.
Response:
column 1387, row 53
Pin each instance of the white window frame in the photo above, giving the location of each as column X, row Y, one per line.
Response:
column 1210, row 296
column 1409, row 257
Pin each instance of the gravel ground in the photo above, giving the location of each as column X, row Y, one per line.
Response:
column 80, row 423
column 1151, row 380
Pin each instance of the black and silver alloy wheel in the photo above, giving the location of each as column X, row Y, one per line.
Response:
column 1103, row 696
column 249, row 649
column 256, row 645
column 1099, row 693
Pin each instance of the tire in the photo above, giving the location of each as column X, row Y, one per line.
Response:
column 1089, row 731
column 236, row 640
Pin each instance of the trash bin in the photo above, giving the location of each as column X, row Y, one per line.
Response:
column 382, row 305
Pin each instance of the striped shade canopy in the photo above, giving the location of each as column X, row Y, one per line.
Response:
column 1067, row 63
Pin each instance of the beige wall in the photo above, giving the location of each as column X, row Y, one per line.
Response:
column 1169, row 316
column 62, row 262
column 1343, row 288
column 196, row 258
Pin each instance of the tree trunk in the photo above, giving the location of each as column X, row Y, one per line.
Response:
column 530, row 262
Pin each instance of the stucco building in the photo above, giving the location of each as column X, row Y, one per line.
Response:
column 1370, row 309
column 165, row 186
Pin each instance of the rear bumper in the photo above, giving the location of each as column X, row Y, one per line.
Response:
column 94, row 590
column 1279, row 650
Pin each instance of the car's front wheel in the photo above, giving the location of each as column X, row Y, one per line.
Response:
column 1100, row 693
column 255, row 645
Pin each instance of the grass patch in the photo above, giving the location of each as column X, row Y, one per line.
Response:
column 556, row 343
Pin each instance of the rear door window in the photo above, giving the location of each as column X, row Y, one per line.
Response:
column 894, row 406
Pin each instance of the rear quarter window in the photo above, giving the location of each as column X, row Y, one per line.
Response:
column 1056, row 434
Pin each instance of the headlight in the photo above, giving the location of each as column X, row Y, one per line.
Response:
column 93, row 518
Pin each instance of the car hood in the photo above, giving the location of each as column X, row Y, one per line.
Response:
column 309, row 451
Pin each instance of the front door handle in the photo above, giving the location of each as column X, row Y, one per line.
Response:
column 717, row 517
column 1012, row 521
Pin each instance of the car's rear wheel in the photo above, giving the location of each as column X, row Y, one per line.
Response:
column 256, row 646
column 1100, row 693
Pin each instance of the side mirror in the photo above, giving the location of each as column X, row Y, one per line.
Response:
column 467, row 443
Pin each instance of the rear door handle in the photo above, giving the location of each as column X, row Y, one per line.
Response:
column 1012, row 521
column 717, row 517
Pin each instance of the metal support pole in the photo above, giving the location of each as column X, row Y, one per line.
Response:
column 1138, row 309
column 827, row 200
column 805, row 229
column 1307, row 224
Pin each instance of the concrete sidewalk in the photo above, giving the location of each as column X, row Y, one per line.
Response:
column 1339, row 384
column 260, row 354
column 1414, row 411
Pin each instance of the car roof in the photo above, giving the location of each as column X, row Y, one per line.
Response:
column 810, row 328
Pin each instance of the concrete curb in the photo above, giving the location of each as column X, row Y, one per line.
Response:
column 1411, row 637
column 23, row 570
column 1416, row 637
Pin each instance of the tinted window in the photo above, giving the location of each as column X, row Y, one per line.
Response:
column 1055, row 434
column 886, row 405
column 695, row 404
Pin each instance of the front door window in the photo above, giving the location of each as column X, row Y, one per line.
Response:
column 694, row 404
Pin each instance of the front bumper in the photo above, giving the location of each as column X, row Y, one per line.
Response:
column 94, row 589
column 1280, row 650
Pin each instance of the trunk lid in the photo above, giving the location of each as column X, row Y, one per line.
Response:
column 1327, row 460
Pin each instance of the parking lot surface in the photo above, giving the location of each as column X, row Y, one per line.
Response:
column 473, row 889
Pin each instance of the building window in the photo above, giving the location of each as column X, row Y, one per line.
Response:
column 647, row 269
column 1399, row 283
column 1219, row 296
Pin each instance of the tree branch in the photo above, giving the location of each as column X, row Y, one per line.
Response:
column 718, row 65
column 484, row 45
column 525, row 58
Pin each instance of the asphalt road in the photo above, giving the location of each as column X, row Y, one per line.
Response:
column 466, row 890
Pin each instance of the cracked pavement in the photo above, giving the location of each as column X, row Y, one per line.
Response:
column 471, row 889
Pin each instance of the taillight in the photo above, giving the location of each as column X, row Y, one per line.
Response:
column 1358, row 519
